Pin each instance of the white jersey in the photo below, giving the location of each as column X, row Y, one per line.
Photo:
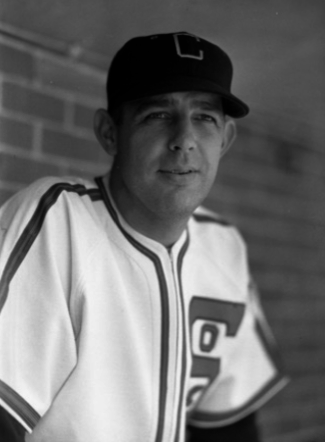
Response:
column 105, row 335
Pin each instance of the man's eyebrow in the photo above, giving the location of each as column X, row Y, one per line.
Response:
column 163, row 101
column 215, row 105
column 147, row 103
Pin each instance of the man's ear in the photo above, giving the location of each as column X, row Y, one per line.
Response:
column 230, row 133
column 105, row 131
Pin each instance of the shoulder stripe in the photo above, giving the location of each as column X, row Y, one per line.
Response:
column 210, row 219
column 33, row 228
column 19, row 405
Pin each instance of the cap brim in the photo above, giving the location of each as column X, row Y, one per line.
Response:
column 232, row 105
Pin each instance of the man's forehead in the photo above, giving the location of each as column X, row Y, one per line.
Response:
column 193, row 98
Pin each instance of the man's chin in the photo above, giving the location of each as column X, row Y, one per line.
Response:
column 179, row 206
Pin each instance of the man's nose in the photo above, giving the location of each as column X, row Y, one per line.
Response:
column 182, row 136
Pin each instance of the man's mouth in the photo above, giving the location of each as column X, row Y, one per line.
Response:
column 179, row 171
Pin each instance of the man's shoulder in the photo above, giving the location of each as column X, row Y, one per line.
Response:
column 204, row 215
column 43, row 194
column 217, row 242
column 51, row 185
column 212, row 228
column 59, row 184
column 52, row 209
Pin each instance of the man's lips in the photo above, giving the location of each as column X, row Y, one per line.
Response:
column 179, row 176
column 179, row 171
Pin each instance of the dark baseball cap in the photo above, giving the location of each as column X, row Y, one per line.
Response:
column 176, row 62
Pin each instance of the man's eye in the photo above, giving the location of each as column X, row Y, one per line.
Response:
column 208, row 118
column 157, row 116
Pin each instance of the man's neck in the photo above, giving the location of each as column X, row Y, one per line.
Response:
column 166, row 230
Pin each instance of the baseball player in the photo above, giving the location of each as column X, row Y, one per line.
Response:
column 127, row 310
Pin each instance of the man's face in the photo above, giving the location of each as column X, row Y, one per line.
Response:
column 168, row 150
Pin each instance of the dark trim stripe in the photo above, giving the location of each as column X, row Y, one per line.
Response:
column 264, row 333
column 184, row 353
column 226, row 418
column 270, row 347
column 33, row 228
column 165, row 321
column 19, row 405
column 210, row 219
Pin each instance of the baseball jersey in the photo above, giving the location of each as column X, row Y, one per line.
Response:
column 107, row 335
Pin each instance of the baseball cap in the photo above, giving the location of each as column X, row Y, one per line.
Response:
column 174, row 62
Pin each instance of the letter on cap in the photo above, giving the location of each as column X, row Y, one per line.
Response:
column 184, row 52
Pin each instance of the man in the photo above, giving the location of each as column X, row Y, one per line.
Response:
column 127, row 310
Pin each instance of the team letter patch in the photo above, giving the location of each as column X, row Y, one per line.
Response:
column 188, row 46
column 209, row 319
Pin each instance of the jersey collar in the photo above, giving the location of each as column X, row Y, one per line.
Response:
column 154, row 246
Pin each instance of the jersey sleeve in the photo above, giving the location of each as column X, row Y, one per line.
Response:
column 37, row 341
column 249, row 373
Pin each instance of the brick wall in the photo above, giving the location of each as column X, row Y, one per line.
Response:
column 270, row 185
column 46, row 110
